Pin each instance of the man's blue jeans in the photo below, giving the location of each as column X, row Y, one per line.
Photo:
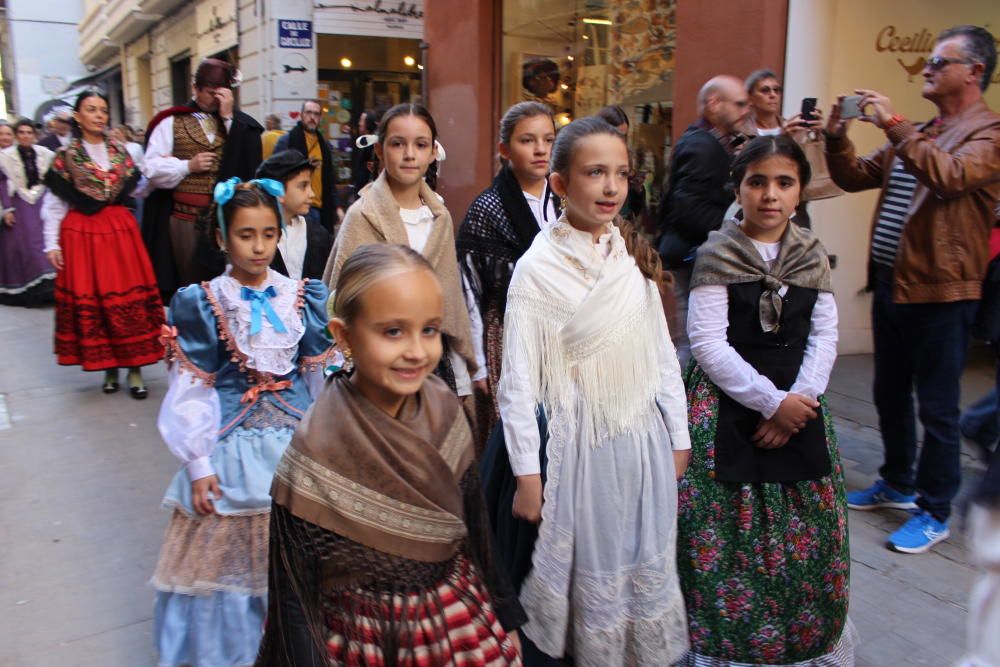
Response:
column 920, row 346
column 981, row 421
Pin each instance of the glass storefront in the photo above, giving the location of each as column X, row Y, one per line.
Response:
column 580, row 55
column 356, row 74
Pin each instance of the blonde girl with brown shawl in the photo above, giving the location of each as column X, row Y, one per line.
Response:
column 380, row 553
column 401, row 207
column 585, row 338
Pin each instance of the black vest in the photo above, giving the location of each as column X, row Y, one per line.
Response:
column 777, row 355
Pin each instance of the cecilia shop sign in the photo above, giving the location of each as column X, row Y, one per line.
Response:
column 894, row 41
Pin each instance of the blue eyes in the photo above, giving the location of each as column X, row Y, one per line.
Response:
column 396, row 332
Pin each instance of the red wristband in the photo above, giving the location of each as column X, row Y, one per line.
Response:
column 895, row 120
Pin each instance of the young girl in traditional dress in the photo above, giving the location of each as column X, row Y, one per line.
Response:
column 380, row 550
column 763, row 522
column 502, row 223
column 247, row 351
column 108, row 308
column 586, row 340
column 401, row 207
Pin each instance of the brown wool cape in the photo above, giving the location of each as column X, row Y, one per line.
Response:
column 374, row 218
column 391, row 484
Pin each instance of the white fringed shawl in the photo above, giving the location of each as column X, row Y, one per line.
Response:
column 17, row 179
column 587, row 328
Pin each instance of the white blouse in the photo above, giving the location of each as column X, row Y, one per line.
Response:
column 708, row 321
column 419, row 223
column 517, row 403
column 543, row 210
column 292, row 246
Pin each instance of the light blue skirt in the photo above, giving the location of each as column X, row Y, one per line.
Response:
column 211, row 578
column 217, row 630
column 245, row 461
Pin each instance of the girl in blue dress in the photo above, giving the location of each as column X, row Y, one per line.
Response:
column 246, row 353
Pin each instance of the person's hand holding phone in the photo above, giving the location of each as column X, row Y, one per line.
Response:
column 836, row 125
column 881, row 107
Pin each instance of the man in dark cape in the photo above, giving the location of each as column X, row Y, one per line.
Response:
column 307, row 138
column 189, row 148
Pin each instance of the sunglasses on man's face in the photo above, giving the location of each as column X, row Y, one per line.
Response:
column 767, row 90
column 938, row 63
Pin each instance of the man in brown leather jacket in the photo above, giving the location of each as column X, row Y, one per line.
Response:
column 929, row 249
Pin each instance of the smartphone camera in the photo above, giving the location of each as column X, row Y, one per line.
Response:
column 808, row 107
column 850, row 107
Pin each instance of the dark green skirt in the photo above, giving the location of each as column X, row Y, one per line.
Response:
column 765, row 567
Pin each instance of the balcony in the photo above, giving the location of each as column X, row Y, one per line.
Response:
column 95, row 46
column 162, row 7
column 127, row 20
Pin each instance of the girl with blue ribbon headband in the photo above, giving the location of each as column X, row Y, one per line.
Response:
column 247, row 352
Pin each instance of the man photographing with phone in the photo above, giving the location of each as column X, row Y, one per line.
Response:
column 939, row 181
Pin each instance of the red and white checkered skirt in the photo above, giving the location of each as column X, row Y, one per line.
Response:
column 451, row 624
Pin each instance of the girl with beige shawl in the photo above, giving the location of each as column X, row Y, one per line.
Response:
column 400, row 207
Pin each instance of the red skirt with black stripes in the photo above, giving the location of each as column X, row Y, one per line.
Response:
column 108, row 307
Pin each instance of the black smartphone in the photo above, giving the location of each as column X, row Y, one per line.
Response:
column 808, row 106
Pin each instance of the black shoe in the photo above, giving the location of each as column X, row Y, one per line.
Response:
column 109, row 386
column 138, row 393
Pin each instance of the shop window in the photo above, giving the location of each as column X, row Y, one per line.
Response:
column 577, row 56
column 358, row 74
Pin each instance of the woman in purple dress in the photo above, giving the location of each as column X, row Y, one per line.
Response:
column 26, row 275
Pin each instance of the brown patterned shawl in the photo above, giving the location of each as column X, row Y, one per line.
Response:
column 391, row 484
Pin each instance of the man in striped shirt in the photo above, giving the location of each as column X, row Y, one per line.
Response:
column 939, row 184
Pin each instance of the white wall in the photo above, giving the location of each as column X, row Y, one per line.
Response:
column 44, row 42
column 834, row 46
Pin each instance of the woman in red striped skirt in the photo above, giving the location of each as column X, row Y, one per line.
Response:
column 108, row 308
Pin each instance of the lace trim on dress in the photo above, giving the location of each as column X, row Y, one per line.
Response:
column 202, row 555
column 175, row 354
column 269, row 351
column 650, row 625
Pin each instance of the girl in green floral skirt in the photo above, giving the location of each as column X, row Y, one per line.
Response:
column 762, row 537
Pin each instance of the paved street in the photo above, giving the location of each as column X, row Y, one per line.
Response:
column 82, row 474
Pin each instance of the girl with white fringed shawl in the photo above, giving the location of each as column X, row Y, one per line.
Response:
column 586, row 342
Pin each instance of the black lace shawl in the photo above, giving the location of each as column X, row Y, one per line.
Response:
column 30, row 161
column 308, row 565
column 498, row 228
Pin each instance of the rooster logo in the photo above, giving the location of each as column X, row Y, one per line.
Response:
column 913, row 70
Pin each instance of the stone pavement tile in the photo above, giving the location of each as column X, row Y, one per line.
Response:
column 83, row 474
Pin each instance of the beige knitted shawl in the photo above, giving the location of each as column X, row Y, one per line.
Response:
column 374, row 218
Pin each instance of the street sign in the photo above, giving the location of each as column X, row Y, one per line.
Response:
column 295, row 34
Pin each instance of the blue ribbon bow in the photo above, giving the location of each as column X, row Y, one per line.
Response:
column 224, row 191
column 259, row 306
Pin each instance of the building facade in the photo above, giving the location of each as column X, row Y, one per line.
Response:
column 38, row 53
column 468, row 60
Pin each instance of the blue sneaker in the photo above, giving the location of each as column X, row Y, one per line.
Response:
column 878, row 495
column 919, row 534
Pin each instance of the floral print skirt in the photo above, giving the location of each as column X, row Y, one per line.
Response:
column 765, row 567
